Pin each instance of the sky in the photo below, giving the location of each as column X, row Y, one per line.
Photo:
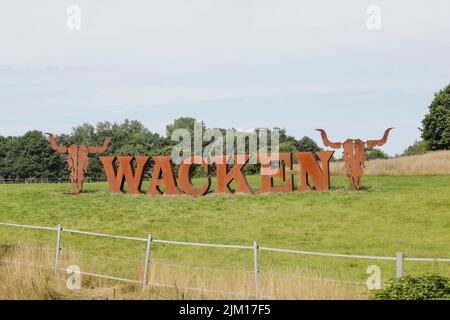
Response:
column 243, row 64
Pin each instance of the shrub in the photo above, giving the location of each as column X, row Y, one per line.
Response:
column 417, row 148
column 436, row 124
column 372, row 154
column 426, row 287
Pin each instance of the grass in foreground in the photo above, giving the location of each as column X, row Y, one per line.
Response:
column 409, row 214
column 27, row 273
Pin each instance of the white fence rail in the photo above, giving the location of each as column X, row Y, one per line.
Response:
column 399, row 258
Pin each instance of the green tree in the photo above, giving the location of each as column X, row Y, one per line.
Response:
column 436, row 124
column 417, row 148
column 30, row 156
column 130, row 137
column 306, row 144
column 3, row 145
column 187, row 123
column 372, row 154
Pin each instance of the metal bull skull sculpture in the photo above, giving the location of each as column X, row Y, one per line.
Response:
column 78, row 160
column 354, row 155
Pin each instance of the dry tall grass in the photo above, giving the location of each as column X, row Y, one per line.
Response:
column 432, row 163
column 27, row 273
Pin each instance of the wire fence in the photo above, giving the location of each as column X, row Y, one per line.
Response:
column 255, row 248
column 46, row 180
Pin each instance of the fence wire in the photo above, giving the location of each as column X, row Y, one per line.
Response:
column 256, row 273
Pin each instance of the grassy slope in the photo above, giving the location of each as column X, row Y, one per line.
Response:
column 411, row 214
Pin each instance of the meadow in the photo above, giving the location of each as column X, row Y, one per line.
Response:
column 391, row 213
column 431, row 163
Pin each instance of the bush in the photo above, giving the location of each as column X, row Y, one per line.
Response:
column 372, row 154
column 436, row 124
column 426, row 287
column 417, row 148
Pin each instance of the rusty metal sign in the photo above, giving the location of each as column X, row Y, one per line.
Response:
column 120, row 172
column 77, row 159
column 354, row 154
column 313, row 169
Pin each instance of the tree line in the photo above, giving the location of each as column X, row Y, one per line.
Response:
column 30, row 155
column 435, row 126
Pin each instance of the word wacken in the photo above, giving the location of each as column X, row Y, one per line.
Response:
column 164, row 182
column 312, row 169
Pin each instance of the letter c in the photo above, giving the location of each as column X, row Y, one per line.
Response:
column 185, row 179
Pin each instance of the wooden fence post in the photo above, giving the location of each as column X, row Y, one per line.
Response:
column 399, row 265
column 147, row 261
column 255, row 268
column 58, row 250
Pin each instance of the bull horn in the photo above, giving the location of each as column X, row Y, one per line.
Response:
column 54, row 145
column 382, row 141
column 328, row 143
column 101, row 149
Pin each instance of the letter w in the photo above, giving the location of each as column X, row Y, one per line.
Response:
column 124, row 173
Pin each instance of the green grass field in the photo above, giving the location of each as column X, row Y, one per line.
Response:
column 390, row 214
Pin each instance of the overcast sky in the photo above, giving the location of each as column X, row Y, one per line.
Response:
column 231, row 63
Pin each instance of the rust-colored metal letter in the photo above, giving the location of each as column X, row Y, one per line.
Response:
column 310, row 168
column 163, row 175
column 124, row 173
column 268, row 174
column 225, row 177
column 185, row 178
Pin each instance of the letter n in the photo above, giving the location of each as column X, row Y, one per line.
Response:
column 124, row 173
column 309, row 168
